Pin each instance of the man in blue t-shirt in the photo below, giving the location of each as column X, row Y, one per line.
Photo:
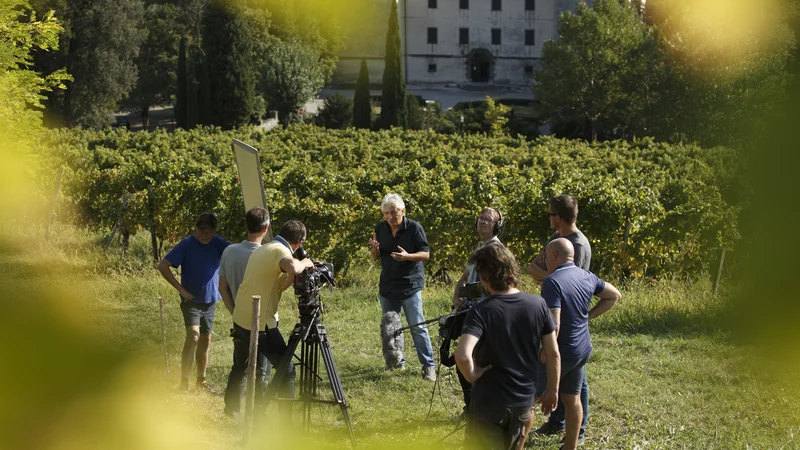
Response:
column 198, row 256
column 568, row 292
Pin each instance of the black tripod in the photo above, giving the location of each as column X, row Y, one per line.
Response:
column 312, row 338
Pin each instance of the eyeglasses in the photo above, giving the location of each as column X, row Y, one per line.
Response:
column 395, row 213
column 550, row 214
column 486, row 221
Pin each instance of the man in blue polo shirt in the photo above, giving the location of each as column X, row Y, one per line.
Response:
column 401, row 245
column 198, row 256
column 568, row 292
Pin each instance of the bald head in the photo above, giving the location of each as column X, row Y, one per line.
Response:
column 559, row 251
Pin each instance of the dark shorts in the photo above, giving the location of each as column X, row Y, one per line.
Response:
column 572, row 373
column 496, row 427
column 201, row 314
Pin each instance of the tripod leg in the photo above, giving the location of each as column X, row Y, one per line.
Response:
column 333, row 378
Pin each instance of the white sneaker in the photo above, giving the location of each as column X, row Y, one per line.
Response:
column 429, row 373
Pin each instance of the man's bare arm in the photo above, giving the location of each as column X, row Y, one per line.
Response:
column 538, row 268
column 227, row 296
column 608, row 298
column 456, row 294
column 557, row 317
column 294, row 266
column 374, row 247
column 552, row 360
column 164, row 268
column 466, row 344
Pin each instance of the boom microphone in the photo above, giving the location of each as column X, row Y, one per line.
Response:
column 393, row 340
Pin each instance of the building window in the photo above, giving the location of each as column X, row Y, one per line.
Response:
column 463, row 36
column 495, row 36
column 528, row 70
column 432, row 4
column 530, row 5
column 530, row 37
column 431, row 68
column 463, row 4
column 433, row 36
column 497, row 5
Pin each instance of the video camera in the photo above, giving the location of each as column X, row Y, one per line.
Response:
column 450, row 326
column 308, row 283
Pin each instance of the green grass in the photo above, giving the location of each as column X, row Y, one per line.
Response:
column 665, row 373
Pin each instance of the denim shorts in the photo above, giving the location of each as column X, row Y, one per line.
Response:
column 201, row 314
column 572, row 373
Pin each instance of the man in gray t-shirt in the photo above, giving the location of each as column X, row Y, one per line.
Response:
column 563, row 213
column 231, row 272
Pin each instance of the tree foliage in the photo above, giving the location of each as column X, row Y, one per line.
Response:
column 362, row 106
column 669, row 73
column 22, row 89
column 496, row 117
column 157, row 62
column 393, row 99
column 104, row 39
column 337, row 112
column 228, row 50
column 291, row 76
column 593, row 71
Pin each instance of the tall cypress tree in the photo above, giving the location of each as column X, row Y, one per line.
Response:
column 362, row 109
column 228, row 44
column 393, row 104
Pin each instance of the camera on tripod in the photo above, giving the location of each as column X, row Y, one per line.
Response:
column 450, row 326
column 308, row 283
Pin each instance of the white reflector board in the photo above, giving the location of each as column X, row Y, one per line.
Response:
column 249, row 168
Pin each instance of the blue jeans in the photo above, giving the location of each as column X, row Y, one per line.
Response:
column 413, row 309
column 557, row 416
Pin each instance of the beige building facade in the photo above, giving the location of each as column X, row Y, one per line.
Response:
column 458, row 41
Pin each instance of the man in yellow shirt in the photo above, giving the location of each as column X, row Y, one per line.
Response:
column 270, row 270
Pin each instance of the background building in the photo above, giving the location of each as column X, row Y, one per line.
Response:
column 456, row 41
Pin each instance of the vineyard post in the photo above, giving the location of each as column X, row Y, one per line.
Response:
column 163, row 334
column 719, row 272
column 251, row 368
column 152, row 213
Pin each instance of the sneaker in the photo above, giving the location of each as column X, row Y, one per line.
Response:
column 429, row 373
column 549, row 428
column 580, row 440
column 203, row 385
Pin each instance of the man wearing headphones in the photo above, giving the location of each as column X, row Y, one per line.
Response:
column 488, row 225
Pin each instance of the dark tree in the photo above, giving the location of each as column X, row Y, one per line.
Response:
column 228, row 45
column 362, row 107
column 105, row 36
column 393, row 103
column 157, row 61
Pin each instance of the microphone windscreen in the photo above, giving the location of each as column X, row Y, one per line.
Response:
column 392, row 339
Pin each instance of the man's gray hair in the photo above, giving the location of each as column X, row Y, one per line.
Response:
column 393, row 200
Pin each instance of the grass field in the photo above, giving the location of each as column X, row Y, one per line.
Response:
column 83, row 366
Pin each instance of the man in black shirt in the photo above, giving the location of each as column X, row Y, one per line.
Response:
column 498, row 352
column 401, row 245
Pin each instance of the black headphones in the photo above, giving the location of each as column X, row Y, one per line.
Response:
column 497, row 225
